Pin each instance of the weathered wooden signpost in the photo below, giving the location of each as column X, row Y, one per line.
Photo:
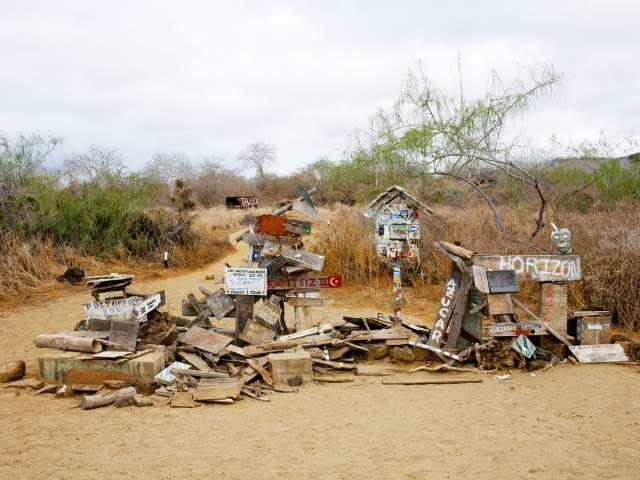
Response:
column 397, row 234
column 244, row 283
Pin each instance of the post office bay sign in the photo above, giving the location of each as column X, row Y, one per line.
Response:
column 245, row 281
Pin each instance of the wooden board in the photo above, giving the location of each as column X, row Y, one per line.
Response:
column 429, row 381
column 294, row 256
column 305, row 302
column 303, row 318
column 218, row 389
column 220, row 304
column 552, row 305
column 500, row 304
column 194, row 360
column 445, row 308
column 373, row 335
column 244, row 314
column 305, row 209
column 149, row 304
column 268, row 314
column 255, row 333
column 612, row 352
column 271, row 225
column 110, row 354
column 124, row 332
column 515, row 329
column 113, row 310
column 398, row 304
column 378, row 370
column 541, row 268
column 204, row 340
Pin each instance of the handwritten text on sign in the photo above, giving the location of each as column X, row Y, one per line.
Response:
column 245, row 281
column 543, row 268
column 305, row 282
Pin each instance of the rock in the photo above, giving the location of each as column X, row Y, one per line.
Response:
column 115, row 384
column 32, row 383
column 47, row 389
column 64, row 392
column 72, row 275
column 295, row 381
column 123, row 402
column 377, row 351
column 421, row 354
column 141, row 401
column 146, row 386
column 12, row 371
column 402, row 354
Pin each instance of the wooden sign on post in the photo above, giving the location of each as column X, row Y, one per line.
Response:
column 304, row 282
column 244, row 314
column 245, row 281
column 542, row 268
column 124, row 332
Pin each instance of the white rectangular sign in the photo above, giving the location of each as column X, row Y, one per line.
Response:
column 112, row 310
column 245, row 281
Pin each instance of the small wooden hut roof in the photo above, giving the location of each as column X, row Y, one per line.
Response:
column 390, row 195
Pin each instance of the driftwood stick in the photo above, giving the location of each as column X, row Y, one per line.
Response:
column 117, row 346
column 446, row 367
column 96, row 401
column 250, row 394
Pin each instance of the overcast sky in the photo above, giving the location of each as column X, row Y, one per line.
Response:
column 208, row 77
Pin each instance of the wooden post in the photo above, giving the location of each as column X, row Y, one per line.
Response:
column 445, row 309
column 552, row 305
column 244, row 313
column 397, row 290
column 303, row 318
column 250, row 258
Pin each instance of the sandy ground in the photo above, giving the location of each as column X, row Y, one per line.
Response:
column 569, row 422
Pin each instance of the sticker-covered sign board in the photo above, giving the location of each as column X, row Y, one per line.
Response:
column 245, row 281
column 397, row 230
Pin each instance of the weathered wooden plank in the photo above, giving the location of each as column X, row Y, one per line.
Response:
column 294, row 256
column 204, row 340
column 379, row 370
column 303, row 318
column 612, row 352
column 445, row 309
column 256, row 333
column 305, row 302
column 552, row 305
column 244, row 314
column 194, row 360
column 515, row 329
column 459, row 311
column 124, row 333
column 542, row 268
column 500, row 303
column 429, row 381
column 375, row 335
column 456, row 250
column 220, row 304
column 268, row 314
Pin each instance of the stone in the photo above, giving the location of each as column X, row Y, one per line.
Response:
column 30, row 383
column 295, row 381
column 141, row 401
column 12, row 371
column 402, row 354
column 123, row 402
column 377, row 351
column 420, row 354
column 146, row 386
column 288, row 365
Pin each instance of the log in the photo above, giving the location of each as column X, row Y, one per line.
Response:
column 64, row 342
column 429, row 381
column 96, row 401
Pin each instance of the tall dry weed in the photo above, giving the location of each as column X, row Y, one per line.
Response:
column 608, row 243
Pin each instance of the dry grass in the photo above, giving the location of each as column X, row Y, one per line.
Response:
column 607, row 241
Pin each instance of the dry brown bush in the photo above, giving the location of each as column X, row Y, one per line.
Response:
column 607, row 241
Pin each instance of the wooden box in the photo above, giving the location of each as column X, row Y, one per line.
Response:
column 593, row 330
column 290, row 364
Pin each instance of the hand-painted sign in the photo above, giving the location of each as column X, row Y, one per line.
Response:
column 245, row 281
column 447, row 302
column 114, row 310
column 542, row 268
column 305, row 282
column 242, row 202
column 148, row 304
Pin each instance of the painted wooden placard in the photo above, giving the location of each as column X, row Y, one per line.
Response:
column 255, row 333
column 500, row 303
column 515, row 329
column 271, row 225
column 220, row 303
column 331, row 281
column 552, row 305
column 245, row 281
column 111, row 294
column 447, row 302
column 121, row 309
column 294, row 256
column 149, row 304
column 612, row 352
column 268, row 314
column 542, row 268
column 124, row 332
column 242, row 202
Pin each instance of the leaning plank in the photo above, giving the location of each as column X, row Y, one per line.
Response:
column 428, row 381
column 266, row 376
column 204, row 340
column 455, row 326
column 64, row 342
column 194, row 360
column 96, row 401
column 550, row 329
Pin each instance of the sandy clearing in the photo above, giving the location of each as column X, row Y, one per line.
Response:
column 570, row 422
